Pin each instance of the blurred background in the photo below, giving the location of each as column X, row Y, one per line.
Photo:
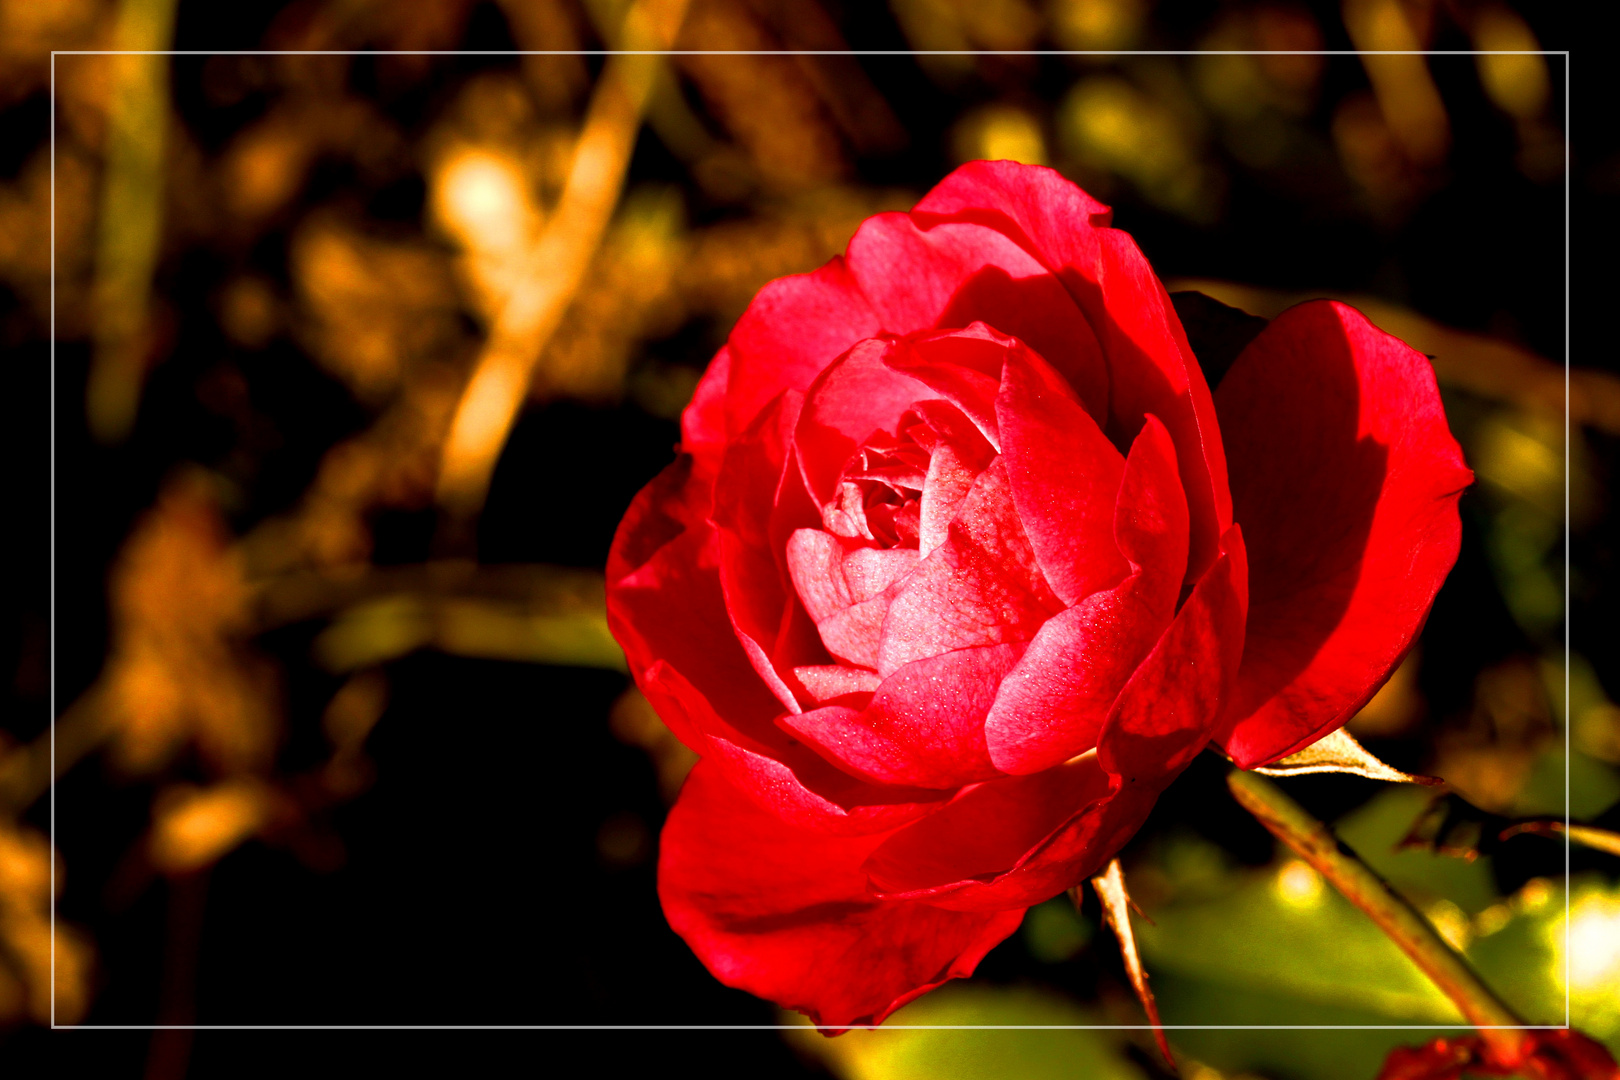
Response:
column 359, row 359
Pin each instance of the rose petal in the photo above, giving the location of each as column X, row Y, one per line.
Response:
column 855, row 634
column 1040, row 203
column 792, row 330
column 1065, row 478
column 755, row 602
column 798, row 643
column 1072, row 852
column 751, row 577
column 703, row 421
column 1053, row 704
column 986, row 832
column 842, row 587
column 829, row 682
column 924, row 726
column 1152, row 371
column 980, row 587
column 960, row 456
column 1020, row 840
column 961, row 366
column 1023, row 839
column 785, row 914
column 857, row 395
column 815, row 561
column 668, row 616
column 952, row 274
column 672, row 502
column 1151, row 520
column 870, row 571
column 1346, row 479
column 670, row 610
column 1168, row 710
column 786, row 778
column 1151, row 368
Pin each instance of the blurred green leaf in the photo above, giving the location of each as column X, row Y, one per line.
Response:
column 891, row 1053
column 1376, row 827
column 1524, row 959
column 1285, row 930
column 392, row 626
column 1310, row 1053
column 1593, row 786
column 1054, row 931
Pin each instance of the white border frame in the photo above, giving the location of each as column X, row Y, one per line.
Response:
column 1564, row 53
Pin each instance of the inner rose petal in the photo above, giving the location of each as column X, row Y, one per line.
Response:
column 893, row 503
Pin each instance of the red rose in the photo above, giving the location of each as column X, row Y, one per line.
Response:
column 950, row 580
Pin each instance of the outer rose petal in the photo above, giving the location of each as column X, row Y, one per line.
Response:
column 791, row 331
column 986, row 831
column 1072, row 852
column 750, row 577
column 670, row 611
column 785, row 913
column 672, row 502
column 785, row 778
column 668, row 615
column 1150, row 365
column 703, row 423
column 1346, row 480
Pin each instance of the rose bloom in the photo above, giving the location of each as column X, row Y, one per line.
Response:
column 961, row 562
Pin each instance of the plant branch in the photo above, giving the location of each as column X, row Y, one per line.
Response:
column 1312, row 841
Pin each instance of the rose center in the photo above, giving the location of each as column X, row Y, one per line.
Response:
column 880, row 492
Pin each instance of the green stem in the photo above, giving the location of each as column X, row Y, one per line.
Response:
column 1312, row 841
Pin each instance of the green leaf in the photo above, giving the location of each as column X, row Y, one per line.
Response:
column 889, row 1053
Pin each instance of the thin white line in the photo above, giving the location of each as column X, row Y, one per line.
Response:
column 803, row 52
column 51, row 630
column 800, row 1027
column 809, row 52
column 1568, row 528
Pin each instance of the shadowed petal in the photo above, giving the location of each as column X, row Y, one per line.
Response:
column 987, row 833
column 786, row 914
column 786, row 778
column 1168, row 710
column 1345, row 478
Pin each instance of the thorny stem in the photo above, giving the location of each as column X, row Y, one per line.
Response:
column 1312, row 841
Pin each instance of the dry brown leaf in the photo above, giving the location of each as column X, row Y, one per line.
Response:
column 179, row 669
column 1116, row 905
column 1339, row 752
